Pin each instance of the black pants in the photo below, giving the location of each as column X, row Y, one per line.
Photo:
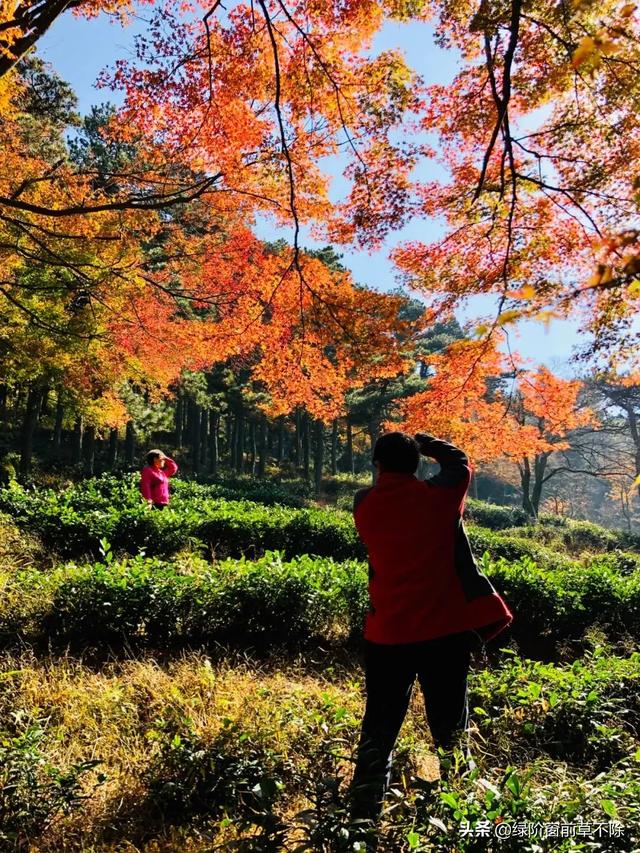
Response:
column 442, row 667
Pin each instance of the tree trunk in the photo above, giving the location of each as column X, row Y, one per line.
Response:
column 318, row 455
column 78, row 434
column 539, row 466
column 185, row 419
column 252, row 446
column 350, row 468
column 194, row 416
column 44, row 404
column 228, row 437
column 113, row 449
column 233, row 445
column 334, row 448
column 306, row 442
column 4, row 394
column 297, row 445
column 374, row 432
column 89, row 450
column 187, row 423
column 280, row 451
column 57, row 428
column 179, row 415
column 204, row 438
column 130, row 443
column 262, row 447
column 525, row 480
column 214, row 422
column 18, row 400
column 240, row 443
column 34, row 399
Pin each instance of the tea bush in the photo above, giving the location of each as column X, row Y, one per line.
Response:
column 33, row 792
column 514, row 548
column 461, row 814
column 73, row 522
column 574, row 536
column 191, row 777
column 265, row 760
column 560, row 604
column 588, row 712
column 270, row 602
column 147, row 602
column 494, row 516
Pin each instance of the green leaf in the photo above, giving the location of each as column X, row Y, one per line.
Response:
column 513, row 784
column 413, row 840
column 450, row 800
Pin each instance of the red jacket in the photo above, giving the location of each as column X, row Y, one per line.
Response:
column 154, row 482
column 423, row 580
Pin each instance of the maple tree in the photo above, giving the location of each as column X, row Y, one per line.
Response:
column 621, row 398
column 494, row 408
column 529, row 209
column 23, row 22
column 539, row 135
column 145, row 223
column 140, row 297
column 552, row 407
column 307, row 333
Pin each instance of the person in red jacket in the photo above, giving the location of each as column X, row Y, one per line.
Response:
column 154, row 480
column 429, row 604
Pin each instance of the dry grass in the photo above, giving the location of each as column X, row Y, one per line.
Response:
column 112, row 715
column 17, row 548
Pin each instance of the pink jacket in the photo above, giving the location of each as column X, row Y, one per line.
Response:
column 154, row 482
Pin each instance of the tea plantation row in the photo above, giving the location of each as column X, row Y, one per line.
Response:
column 149, row 602
column 74, row 523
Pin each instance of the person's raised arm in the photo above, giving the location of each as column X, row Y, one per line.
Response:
column 170, row 467
column 455, row 470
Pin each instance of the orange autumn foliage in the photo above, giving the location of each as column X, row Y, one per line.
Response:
column 532, row 415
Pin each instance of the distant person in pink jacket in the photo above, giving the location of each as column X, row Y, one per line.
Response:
column 154, row 480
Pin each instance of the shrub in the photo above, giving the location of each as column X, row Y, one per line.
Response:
column 514, row 548
column 73, row 522
column 559, row 605
column 494, row 516
column 191, row 777
column 588, row 712
column 149, row 603
column 585, row 536
column 620, row 562
column 33, row 791
column 264, row 492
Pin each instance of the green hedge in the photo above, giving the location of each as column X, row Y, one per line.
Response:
column 575, row 536
column 270, row 602
column 148, row 602
column 554, row 607
column 494, row 516
column 74, row 522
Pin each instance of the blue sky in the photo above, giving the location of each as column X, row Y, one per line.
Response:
column 80, row 49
